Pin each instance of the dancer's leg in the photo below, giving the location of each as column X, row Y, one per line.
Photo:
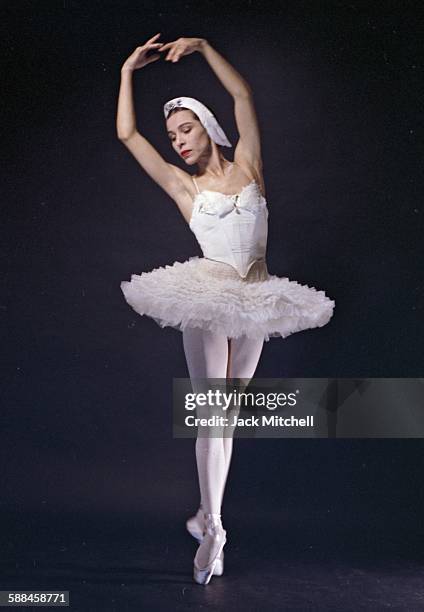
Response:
column 244, row 354
column 207, row 354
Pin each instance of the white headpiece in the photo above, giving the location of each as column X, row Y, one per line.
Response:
column 206, row 117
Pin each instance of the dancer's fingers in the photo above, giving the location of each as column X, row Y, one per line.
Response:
column 153, row 37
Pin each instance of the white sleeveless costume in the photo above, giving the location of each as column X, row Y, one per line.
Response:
column 229, row 289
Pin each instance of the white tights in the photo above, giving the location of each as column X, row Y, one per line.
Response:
column 211, row 355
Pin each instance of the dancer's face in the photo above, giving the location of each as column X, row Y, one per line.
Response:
column 187, row 134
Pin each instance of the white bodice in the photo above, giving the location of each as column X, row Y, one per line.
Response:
column 232, row 229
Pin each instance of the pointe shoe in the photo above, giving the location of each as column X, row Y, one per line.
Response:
column 214, row 529
column 196, row 528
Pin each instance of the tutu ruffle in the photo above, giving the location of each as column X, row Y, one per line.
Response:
column 211, row 295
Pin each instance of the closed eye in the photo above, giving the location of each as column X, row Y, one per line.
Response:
column 184, row 132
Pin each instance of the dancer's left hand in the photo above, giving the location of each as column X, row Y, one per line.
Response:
column 180, row 47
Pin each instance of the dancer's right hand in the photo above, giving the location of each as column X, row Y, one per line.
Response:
column 139, row 58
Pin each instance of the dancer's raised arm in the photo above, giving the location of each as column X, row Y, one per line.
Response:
column 248, row 149
column 147, row 156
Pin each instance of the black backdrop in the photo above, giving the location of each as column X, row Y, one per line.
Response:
column 86, row 409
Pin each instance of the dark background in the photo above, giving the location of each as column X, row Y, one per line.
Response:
column 86, row 439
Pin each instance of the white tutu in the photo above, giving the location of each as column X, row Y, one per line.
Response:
column 211, row 295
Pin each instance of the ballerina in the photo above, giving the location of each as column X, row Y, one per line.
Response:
column 226, row 303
